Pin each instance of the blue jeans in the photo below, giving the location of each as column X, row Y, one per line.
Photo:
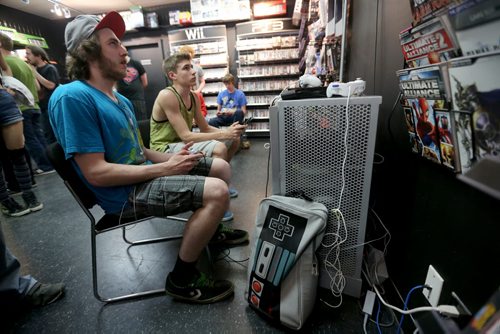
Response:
column 35, row 138
column 219, row 121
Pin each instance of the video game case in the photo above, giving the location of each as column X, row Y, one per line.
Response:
column 424, row 91
column 464, row 139
column 477, row 26
column 429, row 43
column 475, row 88
column 423, row 10
column 447, row 147
column 410, row 125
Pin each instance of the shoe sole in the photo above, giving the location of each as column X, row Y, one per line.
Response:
column 220, row 297
column 229, row 242
column 227, row 219
column 17, row 214
column 36, row 208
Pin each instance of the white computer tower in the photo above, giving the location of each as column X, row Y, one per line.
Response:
column 309, row 141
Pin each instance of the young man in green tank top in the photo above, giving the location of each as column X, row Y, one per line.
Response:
column 174, row 111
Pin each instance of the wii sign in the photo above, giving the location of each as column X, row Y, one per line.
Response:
column 197, row 33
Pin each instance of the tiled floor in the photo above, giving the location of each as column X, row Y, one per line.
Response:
column 53, row 245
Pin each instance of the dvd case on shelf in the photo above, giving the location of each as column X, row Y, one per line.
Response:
column 464, row 140
column 422, row 10
column 477, row 26
column 425, row 92
column 475, row 87
column 446, row 139
column 429, row 43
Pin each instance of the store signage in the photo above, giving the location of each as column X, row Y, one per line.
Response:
column 196, row 33
column 220, row 10
column 269, row 8
column 264, row 26
column 24, row 39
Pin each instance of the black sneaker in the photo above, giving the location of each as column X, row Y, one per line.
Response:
column 44, row 294
column 202, row 290
column 31, row 201
column 228, row 236
column 11, row 208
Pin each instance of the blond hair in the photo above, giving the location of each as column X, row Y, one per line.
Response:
column 187, row 49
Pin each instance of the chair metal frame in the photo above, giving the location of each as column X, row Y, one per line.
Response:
column 62, row 167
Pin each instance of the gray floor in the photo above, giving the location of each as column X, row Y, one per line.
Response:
column 53, row 245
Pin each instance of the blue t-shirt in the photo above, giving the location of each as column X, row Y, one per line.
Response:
column 85, row 120
column 234, row 100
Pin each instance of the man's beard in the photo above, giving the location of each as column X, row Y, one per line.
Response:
column 109, row 71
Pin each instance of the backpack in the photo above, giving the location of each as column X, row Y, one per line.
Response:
column 283, row 269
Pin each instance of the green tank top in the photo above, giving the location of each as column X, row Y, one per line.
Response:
column 163, row 133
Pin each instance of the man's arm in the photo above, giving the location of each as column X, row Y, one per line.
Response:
column 100, row 173
column 168, row 107
column 44, row 82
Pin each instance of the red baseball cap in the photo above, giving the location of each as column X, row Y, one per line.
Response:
column 83, row 26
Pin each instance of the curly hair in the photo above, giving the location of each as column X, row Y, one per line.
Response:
column 77, row 62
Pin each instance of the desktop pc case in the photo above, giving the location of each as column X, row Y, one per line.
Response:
column 307, row 154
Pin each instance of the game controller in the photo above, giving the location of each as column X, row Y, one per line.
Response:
column 192, row 151
column 351, row 88
column 309, row 80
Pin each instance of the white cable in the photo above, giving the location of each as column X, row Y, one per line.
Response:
column 386, row 243
column 449, row 310
column 337, row 280
column 365, row 320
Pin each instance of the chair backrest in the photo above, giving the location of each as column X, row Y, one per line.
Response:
column 145, row 128
column 67, row 172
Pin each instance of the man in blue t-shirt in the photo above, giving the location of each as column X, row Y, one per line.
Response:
column 98, row 131
column 231, row 104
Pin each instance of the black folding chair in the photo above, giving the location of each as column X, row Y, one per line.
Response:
column 86, row 199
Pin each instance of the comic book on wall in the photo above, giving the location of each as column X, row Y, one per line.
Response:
column 446, row 139
column 424, row 92
column 410, row 125
column 422, row 10
column 464, row 140
column 477, row 26
column 475, row 87
column 429, row 43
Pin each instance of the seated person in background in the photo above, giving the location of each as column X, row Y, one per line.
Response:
column 231, row 107
column 98, row 131
column 231, row 104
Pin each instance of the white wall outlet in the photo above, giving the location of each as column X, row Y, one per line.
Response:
column 435, row 282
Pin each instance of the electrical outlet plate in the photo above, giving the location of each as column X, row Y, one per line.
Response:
column 435, row 282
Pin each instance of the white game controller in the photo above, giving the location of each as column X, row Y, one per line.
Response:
column 351, row 88
column 309, row 80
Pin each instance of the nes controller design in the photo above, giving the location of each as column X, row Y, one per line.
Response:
column 276, row 252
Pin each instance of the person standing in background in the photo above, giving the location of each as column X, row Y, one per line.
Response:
column 33, row 133
column 12, row 139
column 48, row 77
column 132, row 87
column 200, row 75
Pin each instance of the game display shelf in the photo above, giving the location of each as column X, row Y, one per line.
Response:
column 268, row 56
column 210, row 45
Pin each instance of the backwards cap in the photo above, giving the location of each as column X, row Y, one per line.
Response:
column 85, row 25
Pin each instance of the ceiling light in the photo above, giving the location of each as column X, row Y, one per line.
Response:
column 57, row 9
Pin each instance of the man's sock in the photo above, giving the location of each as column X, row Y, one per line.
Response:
column 184, row 272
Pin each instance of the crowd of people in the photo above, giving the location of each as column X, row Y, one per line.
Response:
column 95, row 118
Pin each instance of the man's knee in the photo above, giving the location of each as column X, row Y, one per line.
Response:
column 220, row 151
column 216, row 190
